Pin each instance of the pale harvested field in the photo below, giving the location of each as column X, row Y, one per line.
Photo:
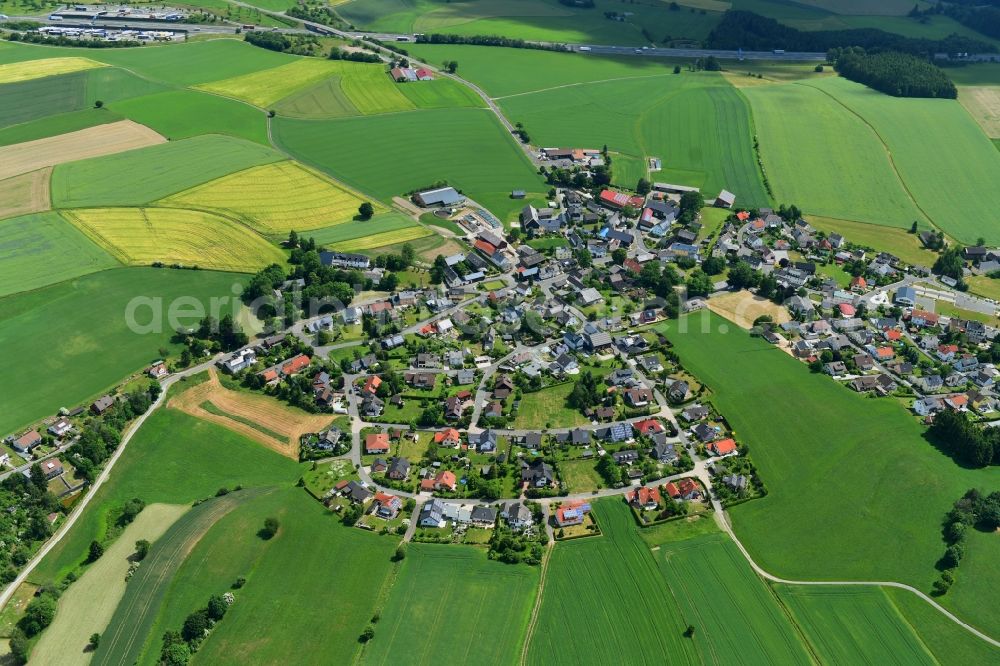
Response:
column 983, row 104
column 37, row 69
column 91, row 142
column 27, row 193
column 262, row 410
column 742, row 307
column 87, row 606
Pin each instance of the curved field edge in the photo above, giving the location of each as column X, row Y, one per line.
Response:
column 89, row 604
column 122, row 642
column 804, row 458
column 144, row 236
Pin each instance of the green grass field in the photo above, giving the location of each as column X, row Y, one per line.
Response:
column 839, row 440
column 265, row 87
column 948, row 642
column 525, row 70
column 29, row 100
column 42, row 249
column 942, row 155
column 542, row 20
column 849, row 175
column 487, row 604
column 158, row 466
column 389, row 155
column 61, row 123
column 848, row 625
column 698, row 124
column 138, row 177
column 72, row 339
column 592, row 586
column 343, row 572
column 440, row 93
column 179, row 114
column 877, row 159
column 122, row 641
column 380, row 224
column 900, row 242
column 737, row 617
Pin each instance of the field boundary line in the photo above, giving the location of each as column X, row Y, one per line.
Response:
column 581, row 83
column 885, row 146
column 727, row 528
column 533, row 622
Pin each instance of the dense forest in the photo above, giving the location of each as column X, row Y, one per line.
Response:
column 896, row 74
column 746, row 30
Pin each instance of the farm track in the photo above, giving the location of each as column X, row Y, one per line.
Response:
column 533, row 622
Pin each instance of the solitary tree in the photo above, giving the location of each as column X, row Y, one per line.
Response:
column 689, row 632
column 99, row 104
column 95, row 640
column 366, row 210
column 913, row 227
column 270, row 528
column 677, row 69
column 95, row 551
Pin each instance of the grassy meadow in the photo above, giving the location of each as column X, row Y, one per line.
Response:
column 180, row 114
column 138, row 177
column 742, row 622
column 848, row 625
column 157, row 467
column 541, row 20
column 837, row 438
column 389, row 155
column 69, row 341
column 592, row 585
column 697, row 123
column 42, row 249
column 878, row 159
column 488, row 604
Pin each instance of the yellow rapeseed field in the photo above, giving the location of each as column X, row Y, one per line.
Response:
column 275, row 198
column 37, row 69
column 144, row 236
column 267, row 86
column 382, row 239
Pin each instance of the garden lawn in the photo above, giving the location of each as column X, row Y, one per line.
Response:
column 138, row 177
column 809, row 435
column 326, row 599
column 42, row 249
column 179, row 114
column 548, row 409
column 592, row 589
column 389, row 155
column 851, row 625
column 488, row 604
column 72, row 340
column 580, row 476
column 158, row 466
column 736, row 616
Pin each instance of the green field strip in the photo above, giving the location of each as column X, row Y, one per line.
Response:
column 123, row 640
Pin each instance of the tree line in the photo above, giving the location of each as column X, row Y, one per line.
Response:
column 488, row 40
column 969, row 443
column 975, row 510
column 894, row 73
column 747, row 30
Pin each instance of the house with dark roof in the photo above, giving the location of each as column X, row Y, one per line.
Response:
column 537, row 473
